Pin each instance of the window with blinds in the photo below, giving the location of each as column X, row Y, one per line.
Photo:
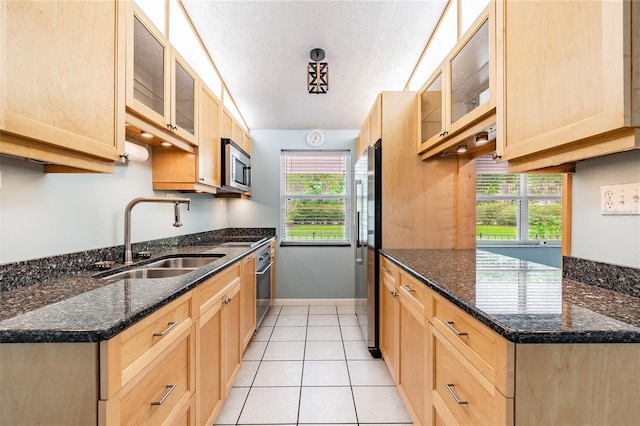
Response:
column 315, row 197
column 516, row 208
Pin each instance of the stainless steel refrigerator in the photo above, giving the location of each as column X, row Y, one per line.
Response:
column 367, row 175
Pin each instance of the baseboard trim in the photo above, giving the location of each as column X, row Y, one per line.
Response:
column 315, row 302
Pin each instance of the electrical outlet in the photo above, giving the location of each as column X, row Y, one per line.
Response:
column 622, row 199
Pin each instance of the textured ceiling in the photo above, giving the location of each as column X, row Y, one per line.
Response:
column 261, row 49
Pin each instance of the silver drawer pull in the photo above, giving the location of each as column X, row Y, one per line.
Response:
column 171, row 325
column 394, row 293
column 170, row 389
column 455, row 330
column 449, row 387
column 409, row 289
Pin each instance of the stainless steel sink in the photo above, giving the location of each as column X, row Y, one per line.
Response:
column 150, row 273
column 184, row 262
column 169, row 267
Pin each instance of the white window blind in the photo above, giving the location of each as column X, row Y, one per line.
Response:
column 516, row 208
column 315, row 197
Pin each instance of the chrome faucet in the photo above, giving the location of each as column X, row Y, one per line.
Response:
column 127, row 218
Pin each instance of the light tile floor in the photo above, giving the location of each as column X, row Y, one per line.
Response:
column 309, row 365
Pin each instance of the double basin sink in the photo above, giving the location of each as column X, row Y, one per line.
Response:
column 168, row 267
column 177, row 265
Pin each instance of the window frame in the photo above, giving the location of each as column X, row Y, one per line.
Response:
column 347, row 197
column 522, row 200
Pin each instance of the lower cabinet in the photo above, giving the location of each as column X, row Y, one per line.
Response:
column 175, row 366
column 412, row 347
column 389, row 316
column 248, row 299
column 452, row 369
column 218, row 352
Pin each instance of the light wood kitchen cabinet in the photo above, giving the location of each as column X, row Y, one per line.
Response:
column 56, row 383
column 371, row 130
column 147, row 372
column 161, row 88
column 232, row 129
column 473, row 375
column 459, row 99
column 178, row 170
column 568, row 92
column 218, row 352
column 175, row 366
column 413, row 347
column 61, row 83
column 389, row 316
column 248, row 299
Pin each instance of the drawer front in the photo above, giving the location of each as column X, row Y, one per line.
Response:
column 163, row 327
column 207, row 293
column 457, row 385
column 388, row 269
column 166, row 385
column 486, row 350
column 416, row 292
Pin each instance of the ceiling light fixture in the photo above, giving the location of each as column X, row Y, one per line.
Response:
column 165, row 143
column 317, row 73
column 146, row 134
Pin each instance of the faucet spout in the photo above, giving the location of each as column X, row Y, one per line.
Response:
column 128, row 258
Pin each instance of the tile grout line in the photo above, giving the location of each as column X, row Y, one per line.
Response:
column 256, row 373
column 304, row 353
column 346, row 361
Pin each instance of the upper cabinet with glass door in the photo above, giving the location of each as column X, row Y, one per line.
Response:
column 459, row 99
column 160, row 86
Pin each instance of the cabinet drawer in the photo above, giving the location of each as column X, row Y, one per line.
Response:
column 207, row 293
column 490, row 353
column 416, row 292
column 388, row 269
column 461, row 391
column 165, row 386
column 162, row 326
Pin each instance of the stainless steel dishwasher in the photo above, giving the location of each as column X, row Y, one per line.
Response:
column 263, row 284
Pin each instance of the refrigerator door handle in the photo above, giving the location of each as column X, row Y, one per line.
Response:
column 358, row 259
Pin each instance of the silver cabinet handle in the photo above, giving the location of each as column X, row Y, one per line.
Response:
column 455, row 330
column 170, row 389
column 394, row 293
column 449, row 387
column 409, row 289
column 170, row 326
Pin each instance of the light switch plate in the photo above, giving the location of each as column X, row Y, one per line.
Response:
column 622, row 199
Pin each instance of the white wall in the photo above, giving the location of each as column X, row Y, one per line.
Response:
column 49, row 214
column 609, row 239
column 302, row 272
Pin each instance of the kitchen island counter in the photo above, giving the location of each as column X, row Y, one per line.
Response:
column 525, row 302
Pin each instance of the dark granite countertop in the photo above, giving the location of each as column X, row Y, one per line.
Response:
column 523, row 301
column 86, row 308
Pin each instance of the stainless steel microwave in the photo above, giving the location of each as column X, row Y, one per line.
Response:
column 236, row 167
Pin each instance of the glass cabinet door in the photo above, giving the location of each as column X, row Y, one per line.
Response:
column 470, row 75
column 184, row 99
column 431, row 118
column 148, row 69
